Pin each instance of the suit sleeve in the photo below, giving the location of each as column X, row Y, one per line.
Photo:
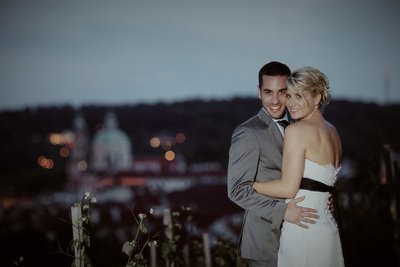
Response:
column 243, row 163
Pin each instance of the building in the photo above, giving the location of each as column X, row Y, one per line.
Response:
column 111, row 148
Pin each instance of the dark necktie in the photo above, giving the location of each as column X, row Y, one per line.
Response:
column 283, row 123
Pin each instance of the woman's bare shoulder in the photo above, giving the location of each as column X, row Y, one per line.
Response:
column 331, row 128
column 298, row 132
column 299, row 127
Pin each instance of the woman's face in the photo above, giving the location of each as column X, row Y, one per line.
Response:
column 300, row 103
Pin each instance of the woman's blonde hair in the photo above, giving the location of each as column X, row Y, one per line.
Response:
column 312, row 80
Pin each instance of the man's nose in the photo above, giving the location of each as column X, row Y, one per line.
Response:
column 275, row 98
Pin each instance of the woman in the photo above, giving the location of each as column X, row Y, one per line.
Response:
column 312, row 149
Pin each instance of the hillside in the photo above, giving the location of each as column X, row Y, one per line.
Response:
column 364, row 128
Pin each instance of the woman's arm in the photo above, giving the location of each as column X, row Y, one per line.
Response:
column 292, row 167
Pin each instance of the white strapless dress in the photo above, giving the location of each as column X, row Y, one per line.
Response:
column 319, row 245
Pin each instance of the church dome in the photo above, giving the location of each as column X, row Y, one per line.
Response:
column 111, row 136
column 111, row 149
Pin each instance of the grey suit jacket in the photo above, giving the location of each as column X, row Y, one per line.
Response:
column 256, row 155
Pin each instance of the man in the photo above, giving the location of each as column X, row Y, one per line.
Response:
column 256, row 155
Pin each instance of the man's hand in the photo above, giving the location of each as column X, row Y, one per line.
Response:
column 300, row 215
column 331, row 205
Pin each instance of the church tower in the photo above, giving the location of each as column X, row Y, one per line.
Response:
column 77, row 161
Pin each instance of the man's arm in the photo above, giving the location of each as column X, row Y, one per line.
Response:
column 242, row 169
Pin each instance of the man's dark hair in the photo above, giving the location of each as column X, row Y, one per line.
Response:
column 273, row 68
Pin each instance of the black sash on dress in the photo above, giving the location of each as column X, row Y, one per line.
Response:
column 313, row 185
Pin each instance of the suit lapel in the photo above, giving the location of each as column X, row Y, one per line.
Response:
column 271, row 128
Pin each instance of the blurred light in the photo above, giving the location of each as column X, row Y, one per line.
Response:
column 40, row 160
column 64, row 152
column 155, row 142
column 45, row 162
column 67, row 137
column 180, row 137
column 169, row 155
column 49, row 164
column 82, row 165
column 55, row 139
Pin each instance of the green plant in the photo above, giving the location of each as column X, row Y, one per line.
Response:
column 175, row 248
column 179, row 246
column 133, row 249
column 226, row 255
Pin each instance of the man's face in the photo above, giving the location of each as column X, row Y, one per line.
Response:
column 273, row 95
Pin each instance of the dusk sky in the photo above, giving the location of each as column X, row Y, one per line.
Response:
column 80, row 52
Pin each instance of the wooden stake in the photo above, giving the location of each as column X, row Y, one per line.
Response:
column 207, row 252
column 77, row 233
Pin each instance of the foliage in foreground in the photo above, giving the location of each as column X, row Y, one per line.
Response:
column 176, row 245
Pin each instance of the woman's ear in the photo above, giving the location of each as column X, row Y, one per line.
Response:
column 317, row 100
